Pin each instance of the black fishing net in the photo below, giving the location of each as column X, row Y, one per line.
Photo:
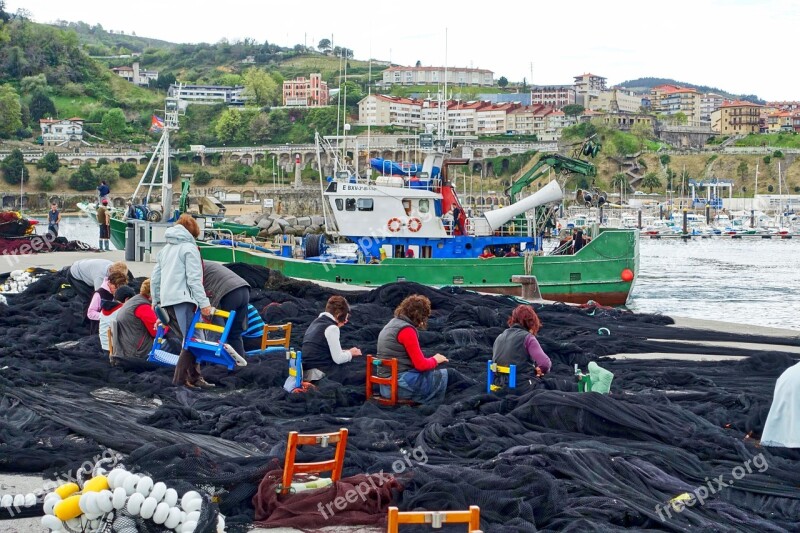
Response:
column 541, row 457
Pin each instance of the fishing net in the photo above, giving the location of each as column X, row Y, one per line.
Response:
column 542, row 457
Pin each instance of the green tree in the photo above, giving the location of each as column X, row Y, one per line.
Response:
column 228, row 125
column 45, row 182
column 353, row 93
column 680, row 118
column 502, row 82
column 324, row 45
column 260, row 88
column 13, row 167
column 164, row 80
column 259, row 128
column 670, row 175
column 767, row 159
column 651, row 181
column 742, row 170
column 113, row 123
column 41, row 106
column 620, row 180
column 777, row 154
column 665, row 159
column 573, row 110
column 127, row 170
column 202, row 177
column 83, row 179
column 107, row 173
column 10, row 111
column 49, row 163
column 31, row 84
column 642, row 131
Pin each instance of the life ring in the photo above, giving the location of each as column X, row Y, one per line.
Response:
column 414, row 225
column 395, row 224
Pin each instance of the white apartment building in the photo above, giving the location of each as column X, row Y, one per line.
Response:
column 709, row 102
column 436, row 75
column 614, row 101
column 231, row 95
column 588, row 85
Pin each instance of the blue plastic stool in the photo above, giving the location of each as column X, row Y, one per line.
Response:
column 212, row 352
column 159, row 356
column 295, row 367
column 494, row 368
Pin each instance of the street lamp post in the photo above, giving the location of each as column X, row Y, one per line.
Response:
column 273, row 171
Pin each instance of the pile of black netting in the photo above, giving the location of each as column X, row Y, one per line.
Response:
column 34, row 244
column 543, row 458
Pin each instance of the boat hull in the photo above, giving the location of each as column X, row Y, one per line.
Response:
column 595, row 273
column 117, row 236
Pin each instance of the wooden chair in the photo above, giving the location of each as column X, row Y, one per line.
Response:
column 273, row 345
column 435, row 518
column 372, row 380
column 494, row 368
column 335, row 465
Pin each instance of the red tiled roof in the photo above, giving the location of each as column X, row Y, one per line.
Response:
column 739, row 103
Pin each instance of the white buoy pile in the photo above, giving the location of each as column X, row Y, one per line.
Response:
column 17, row 282
column 118, row 490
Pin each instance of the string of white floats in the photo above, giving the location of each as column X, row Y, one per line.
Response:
column 70, row 507
column 17, row 282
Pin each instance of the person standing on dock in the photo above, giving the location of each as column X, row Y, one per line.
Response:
column 103, row 190
column 53, row 219
column 104, row 221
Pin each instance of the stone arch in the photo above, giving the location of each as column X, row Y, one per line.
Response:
column 118, row 160
column 248, row 196
column 77, row 162
column 506, row 151
column 491, row 152
column 260, row 156
column 90, row 160
column 133, row 160
column 235, row 158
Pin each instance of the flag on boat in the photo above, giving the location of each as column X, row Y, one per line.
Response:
column 156, row 124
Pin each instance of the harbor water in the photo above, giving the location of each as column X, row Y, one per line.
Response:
column 746, row 281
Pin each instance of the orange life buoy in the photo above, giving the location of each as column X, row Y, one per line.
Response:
column 394, row 224
column 414, row 225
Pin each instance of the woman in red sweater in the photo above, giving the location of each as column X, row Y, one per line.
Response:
column 418, row 377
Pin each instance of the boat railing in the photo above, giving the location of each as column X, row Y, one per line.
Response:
column 479, row 227
column 223, row 231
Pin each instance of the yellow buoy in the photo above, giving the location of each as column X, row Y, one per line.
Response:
column 68, row 508
column 66, row 489
column 96, row 484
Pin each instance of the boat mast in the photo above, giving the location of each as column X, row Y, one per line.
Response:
column 161, row 159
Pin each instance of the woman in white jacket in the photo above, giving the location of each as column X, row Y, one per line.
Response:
column 177, row 287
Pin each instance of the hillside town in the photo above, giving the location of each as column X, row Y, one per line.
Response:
column 541, row 110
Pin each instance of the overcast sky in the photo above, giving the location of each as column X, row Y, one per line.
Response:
column 741, row 46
